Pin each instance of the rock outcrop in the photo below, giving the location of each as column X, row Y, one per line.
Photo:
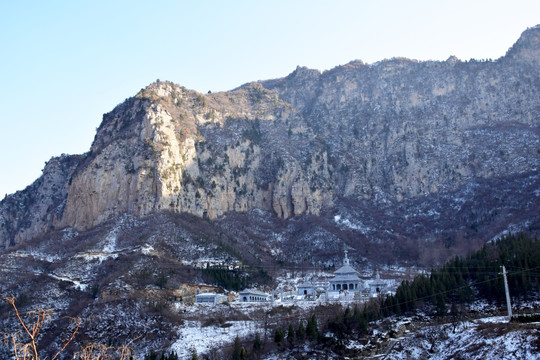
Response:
column 32, row 212
column 383, row 133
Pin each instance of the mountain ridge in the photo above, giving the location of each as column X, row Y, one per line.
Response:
column 379, row 135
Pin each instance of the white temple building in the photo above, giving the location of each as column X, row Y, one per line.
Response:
column 252, row 295
column 346, row 279
column 306, row 289
column 210, row 298
column 376, row 286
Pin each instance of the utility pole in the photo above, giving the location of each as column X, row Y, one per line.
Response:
column 508, row 304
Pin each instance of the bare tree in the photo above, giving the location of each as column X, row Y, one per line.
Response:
column 92, row 352
column 435, row 335
column 103, row 352
column 28, row 349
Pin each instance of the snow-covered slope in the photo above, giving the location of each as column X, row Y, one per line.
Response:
column 490, row 338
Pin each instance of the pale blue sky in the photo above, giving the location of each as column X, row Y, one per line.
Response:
column 65, row 63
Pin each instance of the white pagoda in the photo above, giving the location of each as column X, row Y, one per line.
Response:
column 346, row 279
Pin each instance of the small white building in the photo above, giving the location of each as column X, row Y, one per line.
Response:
column 306, row 289
column 210, row 298
column 252, row 295
column 376, row 286
column 346, row 279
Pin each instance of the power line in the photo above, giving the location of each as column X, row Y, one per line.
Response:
column 463, row 287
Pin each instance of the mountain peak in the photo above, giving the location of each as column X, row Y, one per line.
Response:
column 355, row 137
column 302, row 74
column 527, row 47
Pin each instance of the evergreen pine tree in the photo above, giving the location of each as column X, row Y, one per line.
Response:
column 237, row 347
column 311, row 328
column 363, row 325
column 257, row 344
column 290, row 334
column 356, row 312
column 243, row 354
column 151, row 356
column 279, row 335
column 396, row 306
column 194, row 356
column 440, row 305
column 301, row 332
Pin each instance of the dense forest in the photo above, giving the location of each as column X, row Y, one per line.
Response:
column 478, row 276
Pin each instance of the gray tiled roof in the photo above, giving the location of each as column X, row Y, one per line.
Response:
column 345, row 277
column 253, row 292
column 346, row 269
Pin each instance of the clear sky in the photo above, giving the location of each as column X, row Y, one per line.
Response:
column 63, row 64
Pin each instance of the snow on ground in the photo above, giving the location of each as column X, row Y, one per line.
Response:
column 341, row 296
column 488, row 338
column 100, row 256
column 77, row 283
column 36, row 255
column 194, row 337
column 147, row 249
column 358, row 225
column 109, row 245
column 493, row 320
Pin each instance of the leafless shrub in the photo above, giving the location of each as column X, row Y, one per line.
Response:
column 499, row 329
column 103, row 352
column 435, row 335
column 25, row 342
column 28, row 349
column 213, row 321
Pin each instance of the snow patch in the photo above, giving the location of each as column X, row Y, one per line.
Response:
column 481, row 339
column 76, row 282
column 494, row 320
column 109, row 245
column 36, row 255
column 195, row 337
column 351, row 225
column 111, row 240
column 99, row 256
column 147, row 249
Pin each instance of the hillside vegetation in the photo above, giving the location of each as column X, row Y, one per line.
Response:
column 433, row 309
column 464, row 280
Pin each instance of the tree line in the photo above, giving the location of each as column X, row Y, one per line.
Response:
column 463, row 280
column 235, row 280
column 457, row 283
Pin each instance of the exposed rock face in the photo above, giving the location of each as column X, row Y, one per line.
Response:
column 173, row 149
column 382, row 133
column 405, row 128
column 28, row 214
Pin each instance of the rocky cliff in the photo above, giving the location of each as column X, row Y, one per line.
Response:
column 374, row 136
column 32, row 212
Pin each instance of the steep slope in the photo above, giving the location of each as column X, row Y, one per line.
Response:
column 32, row 212
column 400, row 162
column 403, row 128
column 360, row 139
column 171, row 149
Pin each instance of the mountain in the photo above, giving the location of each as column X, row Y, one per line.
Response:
column 400, row 162
column 416, row 155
